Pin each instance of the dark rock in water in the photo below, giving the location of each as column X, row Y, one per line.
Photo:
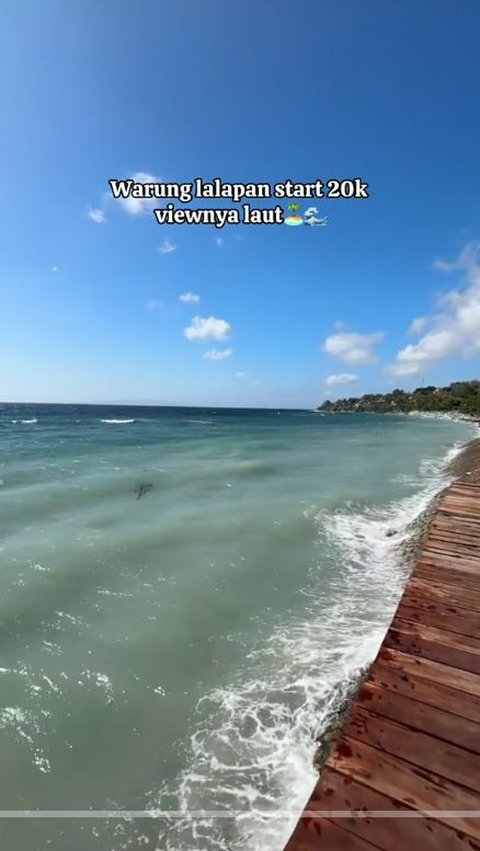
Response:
column 142, row 488
column 390, row 533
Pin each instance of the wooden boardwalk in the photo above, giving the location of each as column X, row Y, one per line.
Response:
column 411, row 742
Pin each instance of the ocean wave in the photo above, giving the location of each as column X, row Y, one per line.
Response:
column 435, row 467
column 252, row 750
column 374, row 533
column 254, row 741
column 117, row 422
column 31, row 421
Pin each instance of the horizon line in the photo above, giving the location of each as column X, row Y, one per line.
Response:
column 167, row 405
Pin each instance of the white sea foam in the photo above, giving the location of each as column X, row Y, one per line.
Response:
column 16, row 717
column 117, row 422
column 27, row 728
column 51, row 684
column 27, row 422
column 41, row 762
column 102, row 681
column 72, row 618
column 108, row 593
column 254, row 742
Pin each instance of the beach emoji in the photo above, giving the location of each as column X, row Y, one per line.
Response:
column 294, row 219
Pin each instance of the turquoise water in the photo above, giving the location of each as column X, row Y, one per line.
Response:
column 182, row 651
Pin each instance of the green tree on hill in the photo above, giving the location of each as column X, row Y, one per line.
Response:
column 460, row 396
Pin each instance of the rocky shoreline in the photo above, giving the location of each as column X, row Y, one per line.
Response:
column 466, row 467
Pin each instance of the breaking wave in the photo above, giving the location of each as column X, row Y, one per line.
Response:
column 117, row 422
column 252, row 750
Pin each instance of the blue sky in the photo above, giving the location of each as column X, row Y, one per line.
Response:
column 246, row 91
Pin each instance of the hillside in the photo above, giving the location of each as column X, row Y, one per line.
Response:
column 461, row 397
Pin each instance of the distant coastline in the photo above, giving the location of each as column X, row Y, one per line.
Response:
column 462, row 399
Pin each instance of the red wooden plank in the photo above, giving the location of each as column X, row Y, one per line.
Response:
column 432, row 544
column 339, row 792
column 465, row 487
column 459, row 562
column 420, row 716
column 453, row 512
column 454, row 536
column 407, row 783
column 453, row 525
column 464, row 507
column 422, row 589
column 453, row 619
column 426, row 691
column 464, row 525
column 460, row 498
column 436, row 756
column 314, row 833
column 442, row 636
column 435, row 644
column 443, row 500
column 447, row 547
column 451, row 549
column 446, row 675
column 448, row 576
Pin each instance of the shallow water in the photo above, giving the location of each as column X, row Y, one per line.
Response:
column 183, row 650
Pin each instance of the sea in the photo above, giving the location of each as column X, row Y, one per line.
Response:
column 187, row 596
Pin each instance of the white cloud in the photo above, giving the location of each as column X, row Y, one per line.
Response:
column 219, row 241
column 240, row 374
column 135, row 206
column 418, row 325
column 467, row 257
column 207, row 329
column 357, row 349
column 218, row 354
column 443, row 266
column 167, row 246
column 402, row 370
column 155, row 304
column 96, row 215
column 342, row 378
column 189, row 298
column 456, row 327
column 54, row 268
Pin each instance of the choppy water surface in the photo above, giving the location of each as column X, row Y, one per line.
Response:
column 182, row 650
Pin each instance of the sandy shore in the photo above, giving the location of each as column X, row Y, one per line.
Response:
column 466, row 467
